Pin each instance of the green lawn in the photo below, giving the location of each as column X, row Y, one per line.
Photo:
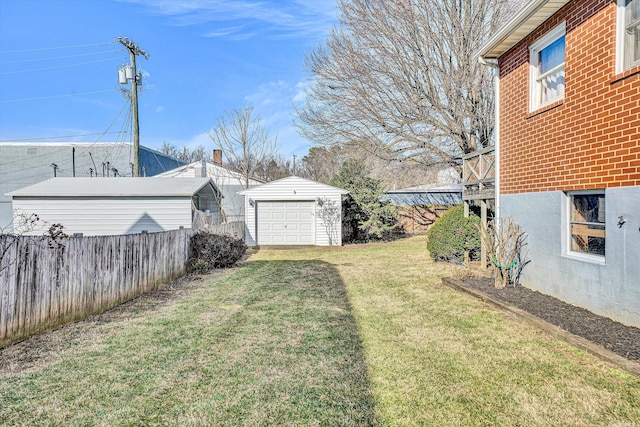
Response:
column 360, row 335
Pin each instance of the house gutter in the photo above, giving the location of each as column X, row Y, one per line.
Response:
column 493, row 63
column 529, row 10
column 487, row 56
column 533, row 13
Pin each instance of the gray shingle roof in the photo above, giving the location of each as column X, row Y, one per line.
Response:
column 113, row 187
column 424, row 195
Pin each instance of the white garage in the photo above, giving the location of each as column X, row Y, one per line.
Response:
column 293, row 211
column 113, row 206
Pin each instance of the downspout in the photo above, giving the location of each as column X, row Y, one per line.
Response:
column 493, row 63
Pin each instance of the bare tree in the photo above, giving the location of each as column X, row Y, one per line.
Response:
column 276, row 167
column 399, row 78
column 323, row 163
column 169, row 149
column 505, row 241
column 245, row 142
column 32, row 230
column 200, row 153
column 186, row 154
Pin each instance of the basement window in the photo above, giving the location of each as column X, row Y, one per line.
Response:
column 587, row 223
column 628, row 34
column 547, row 68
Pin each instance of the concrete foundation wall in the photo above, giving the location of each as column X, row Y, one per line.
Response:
column 609, row 287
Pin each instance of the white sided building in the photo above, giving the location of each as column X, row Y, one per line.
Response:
column 228, row 182
column 293, row 211
column 114, row 206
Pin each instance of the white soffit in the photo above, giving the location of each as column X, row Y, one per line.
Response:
column 524, row 22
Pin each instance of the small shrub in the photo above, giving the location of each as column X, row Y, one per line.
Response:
column 209, row 251
column 201, row 266
column 453, row 234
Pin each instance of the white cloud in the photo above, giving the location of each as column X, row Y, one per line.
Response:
column 302, row 91
column 272, row 93
column 273, row 101
column 231, row 33
column 189, row 142
column 280, row 19
column 159, row 108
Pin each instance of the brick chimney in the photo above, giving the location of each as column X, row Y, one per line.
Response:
column 217, row 156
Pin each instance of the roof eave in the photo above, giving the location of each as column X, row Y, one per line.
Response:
column 530, row 17
column 196, row 185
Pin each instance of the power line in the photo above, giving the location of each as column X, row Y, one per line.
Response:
column 101, row 134
column 59, row 66
column 51, row 58
column 113, row 151
column 53, row 48
column 56, row 137
column 54, row 96
column 114, row 120
column 134, row 50
column 123, row 130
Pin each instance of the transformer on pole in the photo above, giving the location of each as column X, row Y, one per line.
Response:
column 129, row 73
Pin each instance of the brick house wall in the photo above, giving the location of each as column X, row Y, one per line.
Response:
column 591, row 138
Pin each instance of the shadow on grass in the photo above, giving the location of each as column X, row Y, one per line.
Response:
column 298, row 335
column 272, row 343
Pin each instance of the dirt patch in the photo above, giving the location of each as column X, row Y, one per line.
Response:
column 614, row 336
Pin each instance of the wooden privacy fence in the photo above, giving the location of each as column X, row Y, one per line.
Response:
column 43, row 287
column 234, row 229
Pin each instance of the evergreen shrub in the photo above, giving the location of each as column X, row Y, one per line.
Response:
column 209, row 251
column 453, row 234
column 365, row 217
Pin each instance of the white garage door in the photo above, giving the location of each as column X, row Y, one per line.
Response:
column 286, row 223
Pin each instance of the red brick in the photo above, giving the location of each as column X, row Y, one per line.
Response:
column 593, row 136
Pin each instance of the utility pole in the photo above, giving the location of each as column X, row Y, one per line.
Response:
column 134, row 50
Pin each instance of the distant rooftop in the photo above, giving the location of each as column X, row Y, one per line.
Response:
column 425, row 195
column 113, row 187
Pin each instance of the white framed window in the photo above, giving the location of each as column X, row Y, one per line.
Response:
column 587, row 230
column 628, row 43
column 546, row 57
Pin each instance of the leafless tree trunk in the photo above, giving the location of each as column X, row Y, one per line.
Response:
column 505, row 241
column 399, row 78
column 244, row 142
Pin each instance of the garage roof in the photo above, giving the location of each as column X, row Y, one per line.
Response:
column 292, row 185
column 530, row 17
column 113, row 187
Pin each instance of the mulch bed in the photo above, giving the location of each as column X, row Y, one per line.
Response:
column 614, row 336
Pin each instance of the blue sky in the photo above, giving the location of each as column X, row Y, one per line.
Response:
column 58, row 66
